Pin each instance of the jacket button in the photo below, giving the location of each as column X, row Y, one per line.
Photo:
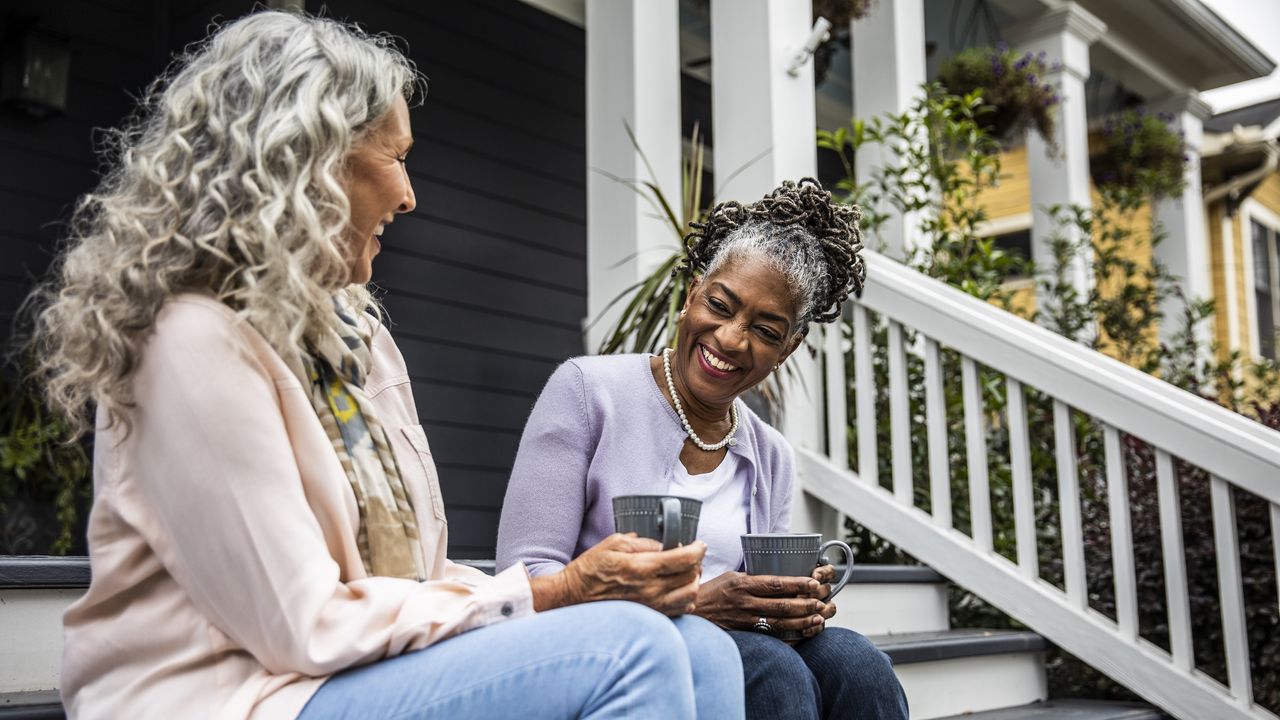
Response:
column 507, row 609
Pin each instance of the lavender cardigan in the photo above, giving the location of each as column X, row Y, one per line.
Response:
column 602, row 428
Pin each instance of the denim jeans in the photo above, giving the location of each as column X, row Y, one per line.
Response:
column 837, row 674
column 598, row 660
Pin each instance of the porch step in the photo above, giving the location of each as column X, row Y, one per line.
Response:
column 885, row 599
column 40, row 705
column 1069, row 710
column 954, row 672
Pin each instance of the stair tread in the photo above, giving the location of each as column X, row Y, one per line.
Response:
column 889, row 574
column 949, row 644
column 1068, row 710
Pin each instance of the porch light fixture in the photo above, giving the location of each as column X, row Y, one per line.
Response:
column 821, row 33
column 35, row 73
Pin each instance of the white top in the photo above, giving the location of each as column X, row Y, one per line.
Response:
column 725, row 504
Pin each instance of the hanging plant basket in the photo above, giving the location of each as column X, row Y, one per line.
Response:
column 1013, row 85
column 1141, row 152
column 841, row 12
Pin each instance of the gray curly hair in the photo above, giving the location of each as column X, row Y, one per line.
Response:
column 228, row 179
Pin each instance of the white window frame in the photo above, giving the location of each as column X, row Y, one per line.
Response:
column 1003, row 226
column 1252, row 211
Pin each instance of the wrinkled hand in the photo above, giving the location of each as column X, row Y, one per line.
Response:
column 626, row 567
column 736, row 601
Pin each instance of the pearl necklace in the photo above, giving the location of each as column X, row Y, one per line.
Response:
column 675, row 399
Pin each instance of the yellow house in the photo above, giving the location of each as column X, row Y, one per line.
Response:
column 1241, row 171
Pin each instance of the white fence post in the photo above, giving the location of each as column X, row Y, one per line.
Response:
column 633, row 78
column 1064, row 36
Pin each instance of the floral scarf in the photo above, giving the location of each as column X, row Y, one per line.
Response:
column 335, row 372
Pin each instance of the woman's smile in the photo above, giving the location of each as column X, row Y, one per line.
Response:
column 713, row 364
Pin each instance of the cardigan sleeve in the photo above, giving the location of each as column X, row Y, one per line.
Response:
column 218, row 494
column 783, row 469
column 543, row 512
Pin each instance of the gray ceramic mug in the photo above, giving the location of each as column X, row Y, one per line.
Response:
column 791, row 555
column 669, row 519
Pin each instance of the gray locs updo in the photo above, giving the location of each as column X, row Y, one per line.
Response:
column 800, row 232
column 228, row 180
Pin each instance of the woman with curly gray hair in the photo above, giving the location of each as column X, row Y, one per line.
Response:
column 673, row 424
column 267, row 538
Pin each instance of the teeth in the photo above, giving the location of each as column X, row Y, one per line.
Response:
column 716, row 362
column 378, row 232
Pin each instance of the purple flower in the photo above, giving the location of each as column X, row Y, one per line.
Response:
column 1056, row 67
column 1022, row 64
column 1031, row 78
column 997, row 69
column 1166, row 117
column 1002, row 46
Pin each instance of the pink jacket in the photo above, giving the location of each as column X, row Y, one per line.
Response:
column 226, row 578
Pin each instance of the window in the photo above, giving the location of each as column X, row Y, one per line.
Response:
column 1266, row 285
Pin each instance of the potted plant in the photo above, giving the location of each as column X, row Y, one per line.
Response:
column 1140, row 151
column 1012, row 84
column 44, row 477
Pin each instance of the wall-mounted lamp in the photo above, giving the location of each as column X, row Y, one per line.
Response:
column 821, row 33
column 35, row 72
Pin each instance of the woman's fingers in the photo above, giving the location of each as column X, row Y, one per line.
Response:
column 781, row 608
column 809, row 625
column 778, row 586
column 825, row 574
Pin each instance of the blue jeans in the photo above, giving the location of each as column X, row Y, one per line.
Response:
column 836, row 674
column 598, row 660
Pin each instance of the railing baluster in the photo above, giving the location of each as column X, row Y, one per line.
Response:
column 1121, row 536
column 936, row 420
column 975, row 434
column 1069, row 503
column 1024, row 504
column 1231, row 592
column 899, row 416
column 1275, row 545
column 837, row 399
column 865, row 381
column 1175, row 563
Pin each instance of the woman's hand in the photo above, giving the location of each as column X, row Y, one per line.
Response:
column 736, row 601
column 626, row 567
column 825, row 575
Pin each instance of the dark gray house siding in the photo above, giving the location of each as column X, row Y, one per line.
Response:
column 485, row 282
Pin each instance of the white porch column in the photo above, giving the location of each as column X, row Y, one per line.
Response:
column 762, row 113
column 888, row 70
column 1185, row 250
column 633, row 77
column 1064, row 36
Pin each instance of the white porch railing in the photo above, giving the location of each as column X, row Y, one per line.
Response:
column 1235, row 452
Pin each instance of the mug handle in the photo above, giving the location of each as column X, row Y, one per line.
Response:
column 848, row 568
column 670, row 522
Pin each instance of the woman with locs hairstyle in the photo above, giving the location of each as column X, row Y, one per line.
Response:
column 673, row 424
column 267, row 537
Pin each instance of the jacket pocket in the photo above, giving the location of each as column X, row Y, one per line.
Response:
column 417, row 440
